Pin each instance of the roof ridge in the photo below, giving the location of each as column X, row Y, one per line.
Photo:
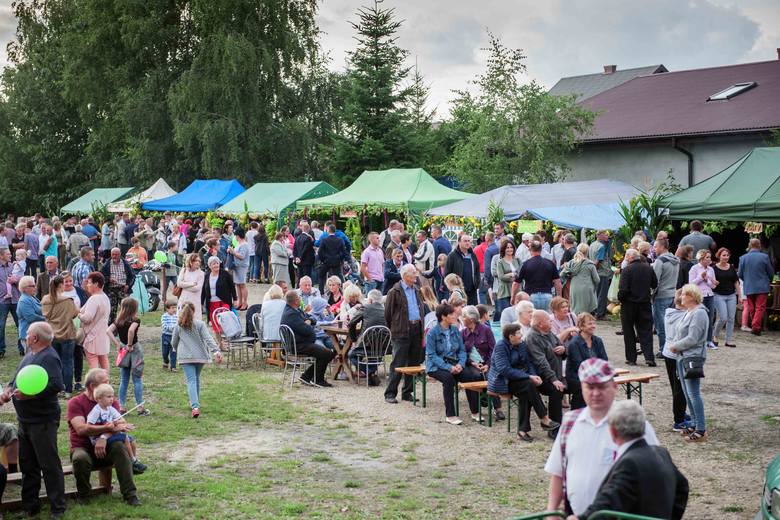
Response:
column 616, row 71
column 733, row 65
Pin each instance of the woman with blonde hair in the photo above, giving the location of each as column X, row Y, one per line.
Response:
column 271, row 312
column 702, row 275
column 454, row 285
column 582, row 278
column 352, row 302
column 690, row 342
column 335, row 296
column 194, row 347
column 190, row 281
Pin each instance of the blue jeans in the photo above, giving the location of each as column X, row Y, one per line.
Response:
column 260, row 261
column 370, row 285
column 192, row 374
column 171, row 282
column 501, row 305
column 138, row 387
column 65, row 351
column 354, row 357
column 541, row 300
column 659, row 310
column 252, row 262
column 709, row 303
column 602, row 291
column 692, row 390
column 167, row 350
column 6, row 308
column 726, row 307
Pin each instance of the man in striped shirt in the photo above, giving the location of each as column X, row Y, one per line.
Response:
column 83, row 267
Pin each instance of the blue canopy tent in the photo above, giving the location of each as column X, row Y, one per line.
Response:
column 201, row 195
column 579, row 204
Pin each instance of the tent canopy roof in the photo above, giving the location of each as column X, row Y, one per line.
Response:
column 410, row 189
column 275, row 197
column 158, row 190
column 83, row 204
column 590, row 204
column 201, row 195
column 749, row 189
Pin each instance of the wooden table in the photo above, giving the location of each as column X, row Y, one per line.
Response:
column 341, row 360
column 634, row 383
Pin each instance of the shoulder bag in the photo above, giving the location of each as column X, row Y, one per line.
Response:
column 693, row 366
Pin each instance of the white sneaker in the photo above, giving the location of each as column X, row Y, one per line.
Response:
column 453, row 420
column 745, row 328
column 712, row 346
column 476, row 418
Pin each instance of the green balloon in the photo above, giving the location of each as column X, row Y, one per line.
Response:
column 161, row 257
column 235, row 242
column 32, row 379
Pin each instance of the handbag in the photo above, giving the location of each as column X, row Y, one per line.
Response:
column 177, row 291
column 693, row 367
column 123, row 357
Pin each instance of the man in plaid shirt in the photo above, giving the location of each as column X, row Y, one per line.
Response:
column 83, row 267
column 119, row 279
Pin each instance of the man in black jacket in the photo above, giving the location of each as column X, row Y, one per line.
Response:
column 392, row 271
column 303, row 251
column 643, row 480
column 331, row 254
column 463, row 262
column 637, row 281
column 301, row 326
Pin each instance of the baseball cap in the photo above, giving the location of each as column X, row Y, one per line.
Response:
column 595, row 370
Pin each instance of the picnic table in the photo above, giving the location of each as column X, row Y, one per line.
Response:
column 342, row 342
column 634, row 383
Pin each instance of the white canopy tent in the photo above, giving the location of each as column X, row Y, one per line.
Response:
column 158, row 190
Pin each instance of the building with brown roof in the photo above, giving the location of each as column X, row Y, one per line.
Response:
column 693, row 123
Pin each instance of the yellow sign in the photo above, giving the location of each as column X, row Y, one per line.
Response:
column 528, row 226
column 754, row 228
column 348, row 213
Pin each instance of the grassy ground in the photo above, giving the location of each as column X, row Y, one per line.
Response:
column 259, row 451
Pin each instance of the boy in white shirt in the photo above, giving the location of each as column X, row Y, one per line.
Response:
column 105, row 412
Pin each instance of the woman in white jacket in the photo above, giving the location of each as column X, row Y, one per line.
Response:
column 190, row 281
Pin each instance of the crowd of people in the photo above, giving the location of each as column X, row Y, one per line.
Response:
column 69, row 290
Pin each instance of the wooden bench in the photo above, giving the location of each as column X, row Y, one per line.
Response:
column 417, row 373
column 474, row 386
column 512, row 401
column 103, row 487
column 634, row 382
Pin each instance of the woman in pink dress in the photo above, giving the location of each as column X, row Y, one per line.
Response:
column 94, row 322
column 191, row 282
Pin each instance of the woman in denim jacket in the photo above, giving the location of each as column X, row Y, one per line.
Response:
column 445, row 360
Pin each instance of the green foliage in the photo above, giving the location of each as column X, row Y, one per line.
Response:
column 774, row 138
column 648, row 211
column 495, row 214
column 510, row 132
column 380, row 121
column 215, row 221
column 101, row 91
column 100, row 213
column 270, row 229
column 354, row 233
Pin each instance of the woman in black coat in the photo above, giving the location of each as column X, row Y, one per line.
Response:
column 218, row 289
column 262, row 255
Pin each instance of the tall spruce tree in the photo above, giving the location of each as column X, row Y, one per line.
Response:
column 373, row 123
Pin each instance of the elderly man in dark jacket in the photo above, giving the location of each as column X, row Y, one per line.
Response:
column 331, row 254
column 463, row 262
column 303, row 251
column 305, row 336
column 119, row 278
column 403, row 314
column 637, row 282
column 547, row 353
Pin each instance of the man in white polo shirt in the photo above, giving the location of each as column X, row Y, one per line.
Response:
column 584, row 451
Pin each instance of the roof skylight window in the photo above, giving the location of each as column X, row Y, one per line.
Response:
column 733, row 90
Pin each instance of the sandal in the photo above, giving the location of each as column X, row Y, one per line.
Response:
column 696, row 436
column 687, row 431
column 525, row 437
column 550, row 426
column 732, row 345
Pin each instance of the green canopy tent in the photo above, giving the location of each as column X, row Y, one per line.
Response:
column 410, row 190
column 749, row 189
column 275, row 198
column 99, row 196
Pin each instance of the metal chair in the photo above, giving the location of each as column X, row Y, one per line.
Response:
column 266, row 347
column 291, row 357
column 238, row 345
column 373, row 345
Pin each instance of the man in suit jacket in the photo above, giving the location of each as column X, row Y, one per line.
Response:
column 643, row 480
column 393, row 271
column 42, row 283
column 303, row 251
column 331, row 254
column 637, row 282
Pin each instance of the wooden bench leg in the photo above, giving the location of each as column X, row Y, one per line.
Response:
column 104, row 478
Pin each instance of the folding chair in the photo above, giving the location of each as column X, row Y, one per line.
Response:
column 266, row 347
column 238, row 345
column 291, row 357
column 373, row 345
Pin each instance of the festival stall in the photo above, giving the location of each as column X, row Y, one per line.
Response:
column 748, row 190
column 411, row 191
column 201, row 195
column 85, row 204
column 275, row 199
column 158, row 190
column 580, row 204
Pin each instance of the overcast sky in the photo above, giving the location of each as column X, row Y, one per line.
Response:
column 560, row 38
